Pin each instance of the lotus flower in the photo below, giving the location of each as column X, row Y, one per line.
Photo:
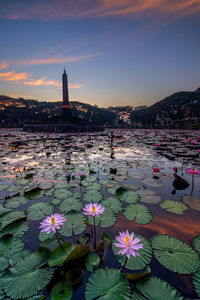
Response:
column 156, row 170
column 193, row 171
column 55, row 221
column 128, row 244
column 93, row 209
column 175, row 169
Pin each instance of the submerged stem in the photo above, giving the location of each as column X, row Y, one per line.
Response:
column 122, row 269
column 94, row 233
column 58, row 240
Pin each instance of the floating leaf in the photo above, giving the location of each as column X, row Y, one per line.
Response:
column 17, row 256
column 28, row 272
column 136, row 296
column 113, row 190
column 130, row 197
column 108, row 218
column 75, row 224
column 39, row 210
column 79, row 251
column 174, row 206
column 70, row 204
column 155, row 289
column 46, row 185
column 9, row 246
column 192, row 202
column 94, row 186
column 17, row 228
column 62, row 291
column 10, row 217
column 175, row 255
column 107, row 284
column 196, row 243
column 43, row 236
column 60, row 254
column 153, row 182
column 62, row 193
column 92, row 261
column 15, row 201
column 139, row 212
column 113, row 203
column 3, row 210
column 4, row 263
column 92, row 196
column 196, row 282
column 134, row 277
column 136, row 262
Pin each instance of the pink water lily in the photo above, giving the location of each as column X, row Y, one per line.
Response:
column 156, row 170
column 128, row 244
column 51, row 223
column 193, row 171
column 93, row 209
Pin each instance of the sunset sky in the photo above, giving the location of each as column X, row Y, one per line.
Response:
column 116, row 52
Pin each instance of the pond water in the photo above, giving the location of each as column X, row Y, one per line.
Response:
column 39, row 176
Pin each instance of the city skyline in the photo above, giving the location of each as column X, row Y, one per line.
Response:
column 118, row 52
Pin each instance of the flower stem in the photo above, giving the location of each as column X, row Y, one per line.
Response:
column 122, row 269
column 58, row 240
column 192, row 184
column 94, row 233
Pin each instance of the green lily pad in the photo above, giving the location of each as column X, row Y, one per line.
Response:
column 155, row 289
column 153, row 182
column 92, row 261
column 17, row 256
column 9, row 246
column 46, row 185
column 28, row 272
column 92, row 196
column 174, row 206
column 3, row 210
column 70, row 204
column 94, row 186
column 75, row 224
column 107, row 284
column 196, row 282
column 196, row 243
column 62, row 291
column 107, row 218
column 175, row 255
column 130, row 197
column 43, row 236
column 17, row 228
column 15, row 201
column 60, row 254
column 139, row 212
column 62, row 193
column 10, row 217
column 113, row 203
column 39, row 210
column 137, row 262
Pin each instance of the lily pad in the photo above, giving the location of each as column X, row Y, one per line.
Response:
column 113, row 203
column 155, row 289
column 107, row 284
column 70, row 204
column 196, row 243
column 137, row 262
column 62, row 193
column 192, row 201
column 153, row 182
column 3, row 210
column 10, row 217
column 17, row 228
column 139, row 212
column 75, row 224
column 92, row 196
column 15, row 201
column 174, row 206
column 175, row 255
column 60, row 254
column 9, row 246
column 108, row 218
column 196, row 282
column 39, row 210
column 29, row 272
column 130, row 197
column 62, row 291
column 92, row 261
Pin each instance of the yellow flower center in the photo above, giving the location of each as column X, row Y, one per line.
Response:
column 126, row 239
column 53, row 221
column 93, row 208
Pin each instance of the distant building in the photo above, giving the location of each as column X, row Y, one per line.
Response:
column 66, row 106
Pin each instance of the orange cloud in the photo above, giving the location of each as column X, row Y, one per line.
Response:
column 57, row 60
column 3, row 65
column 44, row 81
column 12, row 76
column 62, row 9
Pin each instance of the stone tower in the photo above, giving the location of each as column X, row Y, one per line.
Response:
column 66, row 106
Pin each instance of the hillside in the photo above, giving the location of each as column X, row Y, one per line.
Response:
column 179, row 108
